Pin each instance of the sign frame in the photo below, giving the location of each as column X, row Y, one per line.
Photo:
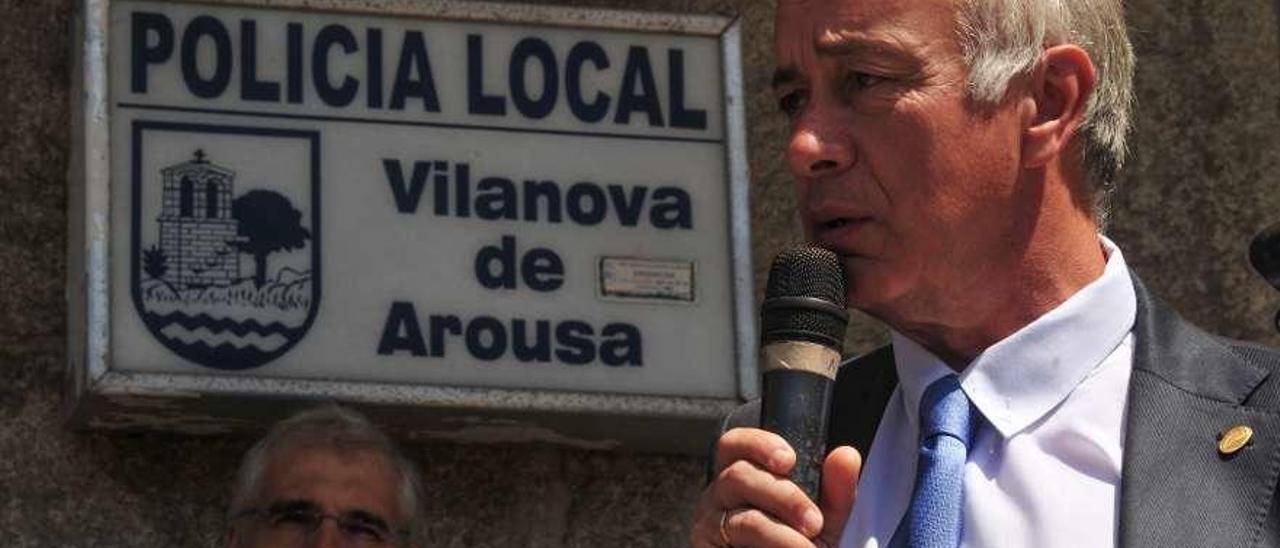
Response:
column 102, row 397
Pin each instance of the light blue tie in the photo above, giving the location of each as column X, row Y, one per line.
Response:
column 946, row 427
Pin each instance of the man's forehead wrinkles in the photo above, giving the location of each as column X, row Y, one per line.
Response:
column 829, row 36
column 843, row 37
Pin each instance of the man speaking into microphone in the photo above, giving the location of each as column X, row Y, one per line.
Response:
column 956, row 155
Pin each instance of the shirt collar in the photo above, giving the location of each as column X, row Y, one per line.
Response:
column 1018, row 380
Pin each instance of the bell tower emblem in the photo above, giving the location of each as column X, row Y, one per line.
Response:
column 197, row 231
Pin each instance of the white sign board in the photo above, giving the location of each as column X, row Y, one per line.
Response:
column 509, row 202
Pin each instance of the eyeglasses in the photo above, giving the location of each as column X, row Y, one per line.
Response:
column 292, row 524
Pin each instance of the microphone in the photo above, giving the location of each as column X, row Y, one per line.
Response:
column 803, row 321
column 1264, row 255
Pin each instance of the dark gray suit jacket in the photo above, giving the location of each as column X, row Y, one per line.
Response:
column 1187, row 387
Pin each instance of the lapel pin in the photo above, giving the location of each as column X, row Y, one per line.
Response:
column 1234, row 439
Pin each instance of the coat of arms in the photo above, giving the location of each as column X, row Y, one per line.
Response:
column 226, row 270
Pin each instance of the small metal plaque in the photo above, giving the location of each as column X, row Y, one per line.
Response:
column 646, row 280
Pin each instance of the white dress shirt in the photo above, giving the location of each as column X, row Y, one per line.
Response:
column 1044, row 467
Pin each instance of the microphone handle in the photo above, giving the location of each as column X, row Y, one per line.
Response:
column 795, row 404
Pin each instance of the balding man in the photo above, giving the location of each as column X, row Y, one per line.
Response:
column 324, row 477
column 957, row 155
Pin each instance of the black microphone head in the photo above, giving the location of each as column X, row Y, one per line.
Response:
column 1264, row 254
column 805, row 298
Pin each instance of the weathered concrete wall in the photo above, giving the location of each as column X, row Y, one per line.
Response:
column 1200, row 184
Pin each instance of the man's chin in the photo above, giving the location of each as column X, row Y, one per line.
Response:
column 872, row 292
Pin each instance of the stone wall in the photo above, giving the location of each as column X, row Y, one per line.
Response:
column 1201, row 182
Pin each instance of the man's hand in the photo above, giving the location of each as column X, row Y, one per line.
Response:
column 757, row 506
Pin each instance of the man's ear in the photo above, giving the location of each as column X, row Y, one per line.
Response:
column 1060, row 88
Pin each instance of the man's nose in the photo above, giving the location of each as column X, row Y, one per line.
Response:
column 328, row 535
column 817, row 149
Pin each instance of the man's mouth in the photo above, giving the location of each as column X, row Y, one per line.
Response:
column 837, row 234
column 840, row 224
column 835, row 223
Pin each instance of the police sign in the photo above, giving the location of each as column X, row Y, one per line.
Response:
column 488, row 210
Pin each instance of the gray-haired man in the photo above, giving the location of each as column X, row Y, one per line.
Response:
column 324, row 477
column 956, row 155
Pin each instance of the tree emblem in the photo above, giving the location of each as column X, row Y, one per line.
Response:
column 268, row 223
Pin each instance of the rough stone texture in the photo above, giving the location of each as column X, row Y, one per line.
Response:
column 1202, row 180
column 1199, row 185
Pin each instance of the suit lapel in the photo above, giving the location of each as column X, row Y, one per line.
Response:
column 862, row 390
column 1176, row 489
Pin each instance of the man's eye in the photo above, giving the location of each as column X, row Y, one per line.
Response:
column 862, row 80
column 364, row 531
column 792, row 103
